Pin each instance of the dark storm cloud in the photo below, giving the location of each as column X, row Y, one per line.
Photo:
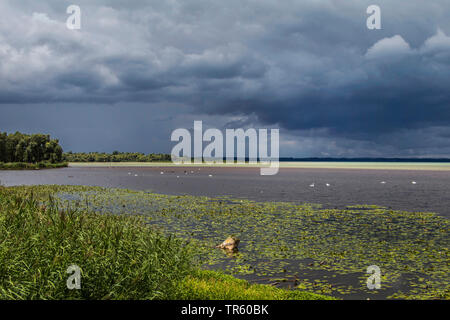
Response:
column 310, row 67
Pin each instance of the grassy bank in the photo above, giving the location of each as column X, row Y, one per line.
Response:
column 206, row 285
column 120, row 256
column 31, row 166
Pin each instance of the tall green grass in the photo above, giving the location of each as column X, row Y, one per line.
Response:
column 119, row 256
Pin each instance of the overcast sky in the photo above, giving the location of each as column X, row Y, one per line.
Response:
column 137, row 70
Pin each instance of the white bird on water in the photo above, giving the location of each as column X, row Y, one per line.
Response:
column 312, row 185
column 327, row 184
column 162, row 172
column 383, row 182
column 413, row 182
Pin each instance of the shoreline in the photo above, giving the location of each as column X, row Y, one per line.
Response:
column 423, row 166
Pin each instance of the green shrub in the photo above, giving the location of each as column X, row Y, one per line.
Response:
column 120, row 256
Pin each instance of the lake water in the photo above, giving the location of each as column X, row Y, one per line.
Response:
column 431, row 191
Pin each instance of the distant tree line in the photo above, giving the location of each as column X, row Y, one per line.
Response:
column 116, row 156
column 34, row 148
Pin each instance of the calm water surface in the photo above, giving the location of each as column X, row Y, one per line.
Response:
column 431, row 191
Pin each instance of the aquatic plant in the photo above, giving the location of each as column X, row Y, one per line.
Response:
column 325, row 251
column 120, row 256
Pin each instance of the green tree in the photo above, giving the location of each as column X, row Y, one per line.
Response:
column 19, row 147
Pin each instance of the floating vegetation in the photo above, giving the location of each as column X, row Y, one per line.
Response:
column 326, row 251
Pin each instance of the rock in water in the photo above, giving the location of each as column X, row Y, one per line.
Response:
column 230, row 244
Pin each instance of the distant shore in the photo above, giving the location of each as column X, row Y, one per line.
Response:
column 437, row 166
